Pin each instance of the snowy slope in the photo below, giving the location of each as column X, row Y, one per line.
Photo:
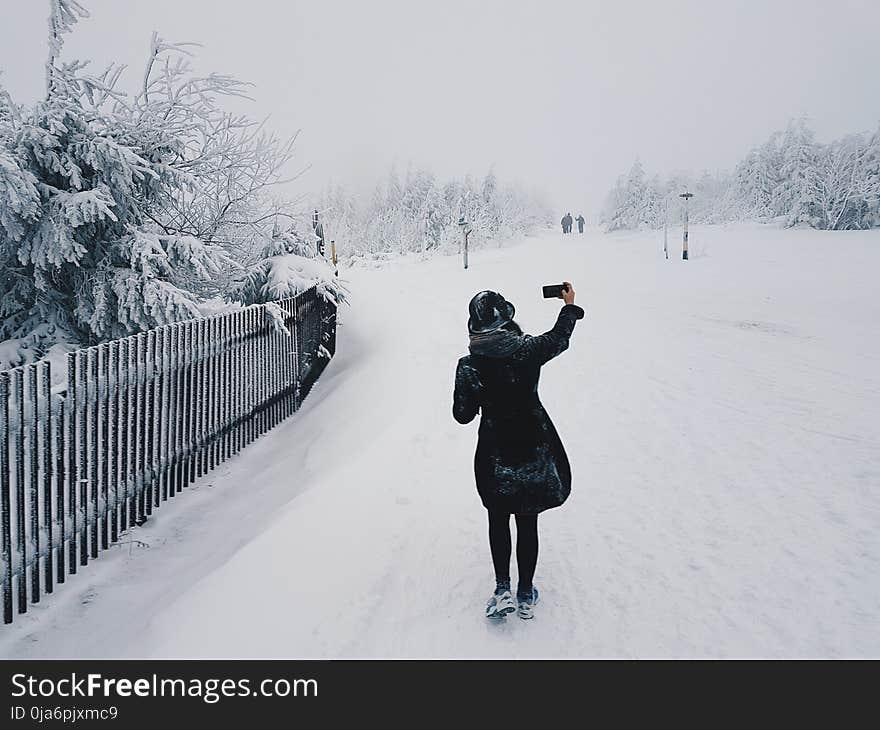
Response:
column 720, row 415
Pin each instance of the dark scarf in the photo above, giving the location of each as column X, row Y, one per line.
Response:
column 500, row 342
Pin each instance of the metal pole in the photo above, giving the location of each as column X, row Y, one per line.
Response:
column 665, row 227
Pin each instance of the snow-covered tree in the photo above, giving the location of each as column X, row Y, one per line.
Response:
column 791, row 179
column 83, row 261
column 846, row 186
column 628, row 205
column 421, row 215
column 118, row 212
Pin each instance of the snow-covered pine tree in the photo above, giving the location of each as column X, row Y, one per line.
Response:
column 798, row 154
column 145, row 203
column 84, row 261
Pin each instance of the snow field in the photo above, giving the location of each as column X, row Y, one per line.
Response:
column 719, row 415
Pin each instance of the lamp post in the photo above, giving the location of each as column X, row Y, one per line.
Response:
column 466, row 229
column 684, row 243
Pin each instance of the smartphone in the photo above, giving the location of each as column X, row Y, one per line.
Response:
column 554, row 291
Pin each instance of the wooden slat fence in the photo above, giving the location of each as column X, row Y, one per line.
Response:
column 139, row 420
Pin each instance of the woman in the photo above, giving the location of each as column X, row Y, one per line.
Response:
column 520, row 465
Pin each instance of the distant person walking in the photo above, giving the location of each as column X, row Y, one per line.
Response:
column 566, row 223
column 580, row 221
column 520, row 466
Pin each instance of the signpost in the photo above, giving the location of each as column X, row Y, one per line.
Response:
column 684, row 250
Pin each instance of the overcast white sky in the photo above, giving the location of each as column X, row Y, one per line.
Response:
column 562, row 95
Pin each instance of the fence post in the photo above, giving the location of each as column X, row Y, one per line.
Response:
column 187, row 401
column 137, row 506
column 113, row 437
column 154, row 416
column 210, row 430
column 46, row 452
column 61, row 477
column 180, row 403
column 33, row 484
column 164, row 415
column 18, row 381
column 94, row 415
column 253, row 374
column 5, row 499
column 103, row 385
column 192, row 347
column 126, row 361
column 202, row 410
column 249, row 375
column 149, row 422
column 198, row 397
column 72, row 459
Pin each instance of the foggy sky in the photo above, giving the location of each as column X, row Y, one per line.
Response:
column 559, row 95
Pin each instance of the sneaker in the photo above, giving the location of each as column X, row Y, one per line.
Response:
column 526, row 603
column 500, row 603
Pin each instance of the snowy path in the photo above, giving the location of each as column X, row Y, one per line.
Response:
column 721, row 420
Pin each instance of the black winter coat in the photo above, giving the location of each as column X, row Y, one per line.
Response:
column 520, row 464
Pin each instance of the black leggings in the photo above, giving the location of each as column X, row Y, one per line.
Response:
column 526, row 547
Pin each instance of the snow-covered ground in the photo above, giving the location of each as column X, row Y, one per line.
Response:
column 720, row 414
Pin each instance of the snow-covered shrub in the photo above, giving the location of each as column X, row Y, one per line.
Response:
column 288, row 267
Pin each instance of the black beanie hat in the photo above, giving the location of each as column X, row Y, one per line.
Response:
column 488, row 311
